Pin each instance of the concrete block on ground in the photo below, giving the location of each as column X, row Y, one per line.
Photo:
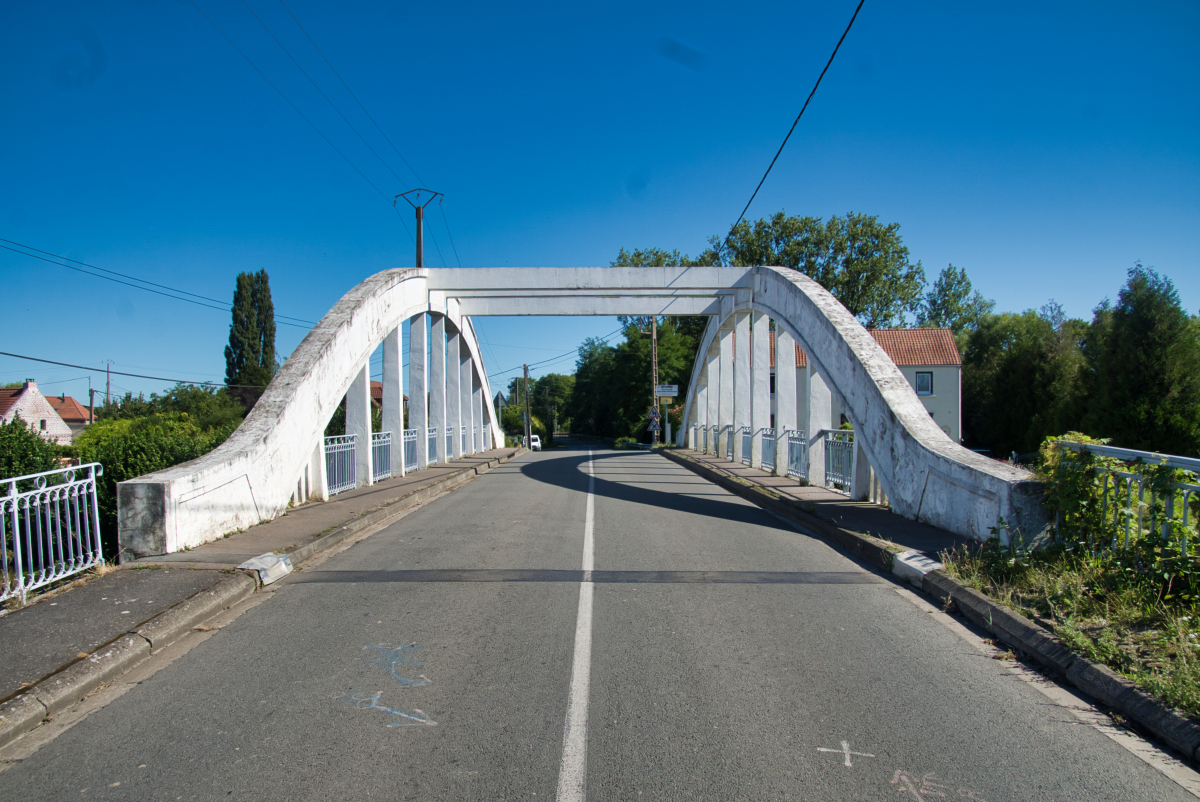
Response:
column 72, row 684
column 19, row 715
column 269, row 567
column 913, row 566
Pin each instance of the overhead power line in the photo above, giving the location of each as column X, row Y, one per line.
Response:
column 563, row 355
column 798, row 116
column 138, row 286
column 297, row 110
column 133, row 375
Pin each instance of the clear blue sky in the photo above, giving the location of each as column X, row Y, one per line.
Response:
column 1043, row 147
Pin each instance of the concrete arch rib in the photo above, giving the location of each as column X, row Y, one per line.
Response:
column 927, row 476
column 252, row 475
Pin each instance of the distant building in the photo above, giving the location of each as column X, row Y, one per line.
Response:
column 377, row 395
column 31, row 406
column 928, row 358
column 73, row 413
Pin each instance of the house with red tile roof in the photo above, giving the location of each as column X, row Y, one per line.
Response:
column 73, row 413
column 31, row 406
column 928, row 358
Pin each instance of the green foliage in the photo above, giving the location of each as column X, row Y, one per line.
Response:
column 206, row 407
column 23, row 451
column 250, row 355
column 1021, row 379
column 132, row 447
column 337, row 423
column 622, row 443
column 1143, row 358
column 951, row 303
column 862, row 262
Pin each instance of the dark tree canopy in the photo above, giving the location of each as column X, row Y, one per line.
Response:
column 951, row 303
column 250, row 355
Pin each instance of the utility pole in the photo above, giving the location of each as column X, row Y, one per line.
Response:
column 107, row 382
column 91, row 406
column 528, row 420
column 420, row 207
column 654, row 368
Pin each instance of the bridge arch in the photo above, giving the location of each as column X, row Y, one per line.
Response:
column 256, row 472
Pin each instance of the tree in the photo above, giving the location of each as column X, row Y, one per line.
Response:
column 250, row 355
column 23, row 451
column 591, row 401
column 207, row 407
column 688, row 325
column 862, row 263
column 1143, row 359
column 951, row 304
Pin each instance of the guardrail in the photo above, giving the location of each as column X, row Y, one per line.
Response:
column 747, row 440
column 704, row 439
column 1124, row 506
column 340, row 462
column 839, row 459
column 49, row 528
column 463, row 439
column 432, row 440
column 797, row 461
column 410, row 449
column 381, row 455
column 729, row 445
column 768, row 450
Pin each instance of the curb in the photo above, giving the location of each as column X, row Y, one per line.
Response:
column 1171, row 726
column 76, row 680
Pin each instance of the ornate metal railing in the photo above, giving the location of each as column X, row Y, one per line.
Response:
column 463, row 438
column 797, row 459
column 747, row 440
column 768, row 450
column 839, row 459
column 381, row 455
column 410, row 449
column 340, row 462
column 449, row 443
column 49, row 528
column 433, row 445
column 729, row 444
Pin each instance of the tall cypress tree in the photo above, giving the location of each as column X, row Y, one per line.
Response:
column 250, row 355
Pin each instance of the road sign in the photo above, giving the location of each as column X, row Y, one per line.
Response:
column 655, row 414
column 666, row 390
column 654, row 427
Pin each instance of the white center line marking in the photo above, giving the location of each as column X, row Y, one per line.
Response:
column 572, row 772
column 845, row 750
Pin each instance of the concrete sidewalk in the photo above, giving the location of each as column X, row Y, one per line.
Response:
column 69, row 641
column 862, row 517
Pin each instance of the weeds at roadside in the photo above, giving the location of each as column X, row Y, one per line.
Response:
column 1105, row 607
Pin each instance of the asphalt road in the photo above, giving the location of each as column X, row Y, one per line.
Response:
column 731, row 657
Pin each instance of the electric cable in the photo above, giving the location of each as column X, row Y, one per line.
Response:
column 133, row 375
column 131, row 278
column 445, row 219
column 798, row 116
column 561, row 356
column 297, row 110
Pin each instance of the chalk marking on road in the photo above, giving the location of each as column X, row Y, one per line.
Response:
column 928, row 788
column 405, row 718
column 391, row 658
column 845, row 752
column 1083, row 711
column 572, row 771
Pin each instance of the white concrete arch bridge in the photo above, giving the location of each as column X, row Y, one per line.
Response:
column 277, row 454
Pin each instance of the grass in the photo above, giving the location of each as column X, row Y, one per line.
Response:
column 1101, row 606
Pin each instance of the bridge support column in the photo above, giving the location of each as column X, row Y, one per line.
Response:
column 393, row 398
column 713, row 419
column 725, row 408
column 741, row 380
column 477, row 410
column 820, row 412
column 358, row 423
column 760, row 387
column 437, row 386
column 320, row 480
column 860, row 487
column 785, row 397
column 700, row 405
column 470, row 417
column 417, row 393
column 453, row 397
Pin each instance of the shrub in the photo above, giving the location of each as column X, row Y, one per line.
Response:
column 23, row 451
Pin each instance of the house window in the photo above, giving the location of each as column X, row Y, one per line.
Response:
column 925, row 383
column 772, row 384
column 43, row 424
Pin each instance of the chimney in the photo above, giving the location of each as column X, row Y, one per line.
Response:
column 30, row 384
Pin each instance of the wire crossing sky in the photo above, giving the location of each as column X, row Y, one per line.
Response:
column 170, row 146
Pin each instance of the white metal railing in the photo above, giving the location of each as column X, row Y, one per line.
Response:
column 475, row 439
column 1123, row 498
column 729, row 445
column 410, row 449
column 704, row 439
column 449, row 444
column 49, row 528
column 433, row 445
column 797, row 458
column 381, row 455
column 747, row 440
column 463, row 438
column 767, row 463
column 839, row 459
column 340, row 462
